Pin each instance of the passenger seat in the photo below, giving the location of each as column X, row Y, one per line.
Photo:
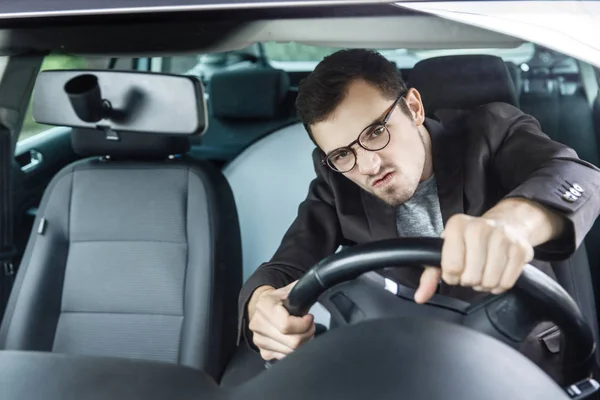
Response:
column 135, row 253
column 269, row 179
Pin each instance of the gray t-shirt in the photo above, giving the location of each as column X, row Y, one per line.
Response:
column 421, row 214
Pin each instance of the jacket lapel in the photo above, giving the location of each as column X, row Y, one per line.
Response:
column 448, row 146
column 381, row 217
column 447, row 149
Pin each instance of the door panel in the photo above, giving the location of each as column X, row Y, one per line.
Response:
column 37, row 160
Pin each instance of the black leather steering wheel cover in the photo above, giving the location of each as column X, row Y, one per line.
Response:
column 545, row 297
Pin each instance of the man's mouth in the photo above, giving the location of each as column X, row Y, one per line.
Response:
column 383, row 180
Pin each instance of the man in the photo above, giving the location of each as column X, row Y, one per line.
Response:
column 485, row 180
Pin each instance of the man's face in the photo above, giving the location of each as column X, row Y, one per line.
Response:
column 392, row 173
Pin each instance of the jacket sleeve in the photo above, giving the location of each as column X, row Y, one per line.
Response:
column 530, row 165
column 314, row 234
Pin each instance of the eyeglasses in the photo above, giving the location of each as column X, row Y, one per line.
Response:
column 374, row 137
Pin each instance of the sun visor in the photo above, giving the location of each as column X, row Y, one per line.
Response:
column 121, row 101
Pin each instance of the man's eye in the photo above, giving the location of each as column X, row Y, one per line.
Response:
column 378, row 131
column 341, row 155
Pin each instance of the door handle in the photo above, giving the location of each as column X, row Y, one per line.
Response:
column 35, row 159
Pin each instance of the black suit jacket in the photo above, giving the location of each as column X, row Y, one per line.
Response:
column 479, row 158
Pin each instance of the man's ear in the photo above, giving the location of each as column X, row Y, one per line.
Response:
column 415, row 105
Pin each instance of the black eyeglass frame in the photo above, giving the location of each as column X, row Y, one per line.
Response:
column 382, row 123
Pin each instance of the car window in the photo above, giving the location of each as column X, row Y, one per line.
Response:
column 204, row 65
column 60, row 62
column 227, row 138
column 299, row 57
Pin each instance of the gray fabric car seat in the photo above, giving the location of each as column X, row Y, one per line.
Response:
column 260, row 176
column 136, row 255
column 268, row 205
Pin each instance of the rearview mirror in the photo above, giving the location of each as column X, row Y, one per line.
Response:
column 120, row 101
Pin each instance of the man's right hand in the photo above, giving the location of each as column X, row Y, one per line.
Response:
column 274, row 331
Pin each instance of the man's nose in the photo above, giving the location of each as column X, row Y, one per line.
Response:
column 368, row 162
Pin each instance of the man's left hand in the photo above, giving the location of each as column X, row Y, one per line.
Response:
column 479, row 253
column 488, row 253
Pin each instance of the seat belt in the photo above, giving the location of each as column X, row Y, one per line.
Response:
column 7, row 247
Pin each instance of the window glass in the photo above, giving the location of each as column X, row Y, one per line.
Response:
column 225, row 138
column 299, row 57
column 204, row 65
column 533, row 69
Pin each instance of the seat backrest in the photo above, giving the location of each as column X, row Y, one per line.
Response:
column 596, row 117
column 136, row 255
column 540, row 98
column 269, row 180
column 553, row 91
column 267, row 202
column 577, row 127
column 515, row 75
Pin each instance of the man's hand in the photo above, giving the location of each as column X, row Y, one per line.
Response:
column 488, row 253
column 274, row 331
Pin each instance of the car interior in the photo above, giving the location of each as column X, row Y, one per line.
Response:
column 133, row 237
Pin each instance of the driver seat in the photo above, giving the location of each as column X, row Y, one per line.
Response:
column 135, row 253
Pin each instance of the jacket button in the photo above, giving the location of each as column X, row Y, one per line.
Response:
column 570, row 197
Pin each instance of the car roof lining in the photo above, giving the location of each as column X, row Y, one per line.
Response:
column 383, row 26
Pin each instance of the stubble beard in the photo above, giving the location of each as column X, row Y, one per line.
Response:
column 405, row 189
column 398, row 195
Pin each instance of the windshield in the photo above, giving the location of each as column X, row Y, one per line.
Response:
column 255, row 133
column 295, row 56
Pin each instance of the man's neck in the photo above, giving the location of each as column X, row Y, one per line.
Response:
column 428, row 165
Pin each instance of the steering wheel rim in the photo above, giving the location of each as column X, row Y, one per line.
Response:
column 545, row 297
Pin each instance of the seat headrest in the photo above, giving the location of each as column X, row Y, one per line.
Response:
column 249, row 93
column 462, row 82
column 515, row 75
column 130, row 145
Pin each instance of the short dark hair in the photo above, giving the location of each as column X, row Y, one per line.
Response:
column 324, row 89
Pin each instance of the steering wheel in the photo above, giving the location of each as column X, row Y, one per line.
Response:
column 509, row 317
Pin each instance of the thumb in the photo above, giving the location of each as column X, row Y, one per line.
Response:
column 428, row 284
column 282, row 293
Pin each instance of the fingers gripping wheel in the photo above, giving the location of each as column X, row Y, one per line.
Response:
column 297, row 306
column 543, row 298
